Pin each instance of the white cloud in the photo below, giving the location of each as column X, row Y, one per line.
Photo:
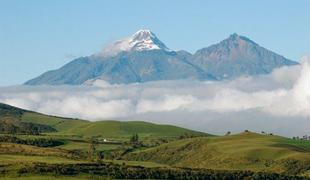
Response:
column 165, row 103
column 295, row 101
column 248, row 102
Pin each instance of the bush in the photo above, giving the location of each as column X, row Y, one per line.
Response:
column 137, row 172
column 40, row 142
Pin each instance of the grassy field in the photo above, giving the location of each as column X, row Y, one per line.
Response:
column 159, row 146
column 107, row 129
column 16, row 159
column 22, row 153
column 6, row 159
column 60, row 124
column 53, row 177
column 83, row 146
column 245, row 151
column 242, row 151
column 60, row 177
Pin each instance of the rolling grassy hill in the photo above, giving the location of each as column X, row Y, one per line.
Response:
column 197, row 151
column 105, row 129
column 10, row 121
column 247, row 150
column 108, row 129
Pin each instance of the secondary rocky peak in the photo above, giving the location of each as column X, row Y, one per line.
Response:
column 236, row 38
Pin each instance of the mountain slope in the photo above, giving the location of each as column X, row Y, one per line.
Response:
column 143, row 57
column 139, row 58
column 249, row 151
column 236, row 56
column 126, row 67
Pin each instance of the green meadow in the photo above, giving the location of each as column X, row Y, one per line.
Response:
column 250, row 151
column 38, row 146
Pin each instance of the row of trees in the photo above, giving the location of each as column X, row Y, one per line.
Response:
column 40, row 142
column 93, row 154
column 137, row 172
column 304, row 137
column 246, row 131
column 9, row 125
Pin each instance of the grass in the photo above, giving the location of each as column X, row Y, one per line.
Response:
column 249, row 151
column 137, row 163
column 60, row 124
column 50, row 177
column 83, row 146
column 31, row 151
column 107, row 129
column 117, row 129
column 298, row 145
column 245, row 151
column 16, row 159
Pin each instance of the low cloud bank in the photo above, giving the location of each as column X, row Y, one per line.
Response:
column 278, row 102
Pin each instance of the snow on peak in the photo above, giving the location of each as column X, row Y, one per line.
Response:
column 145, row 40
column 143, row 34
column 142, row 40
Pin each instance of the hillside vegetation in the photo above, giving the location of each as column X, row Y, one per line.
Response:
column 108, row 129
column 136, row 149
column 10, row 121
column 247, row 150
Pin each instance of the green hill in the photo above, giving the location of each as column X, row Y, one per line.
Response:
column 105, row 129
column 10, row 121
column 248, row 151
column 108, row 129
column 171, row 147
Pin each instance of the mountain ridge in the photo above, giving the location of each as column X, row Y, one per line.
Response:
column 236, row 56
column 143, row 57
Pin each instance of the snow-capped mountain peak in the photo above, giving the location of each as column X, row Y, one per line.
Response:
column 146, row 40
column 143, row 34
column 145, row 59
column 142, row 40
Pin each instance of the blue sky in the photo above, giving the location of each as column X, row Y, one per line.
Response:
column 36, row 35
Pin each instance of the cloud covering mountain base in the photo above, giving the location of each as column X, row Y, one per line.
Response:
column 278, row 102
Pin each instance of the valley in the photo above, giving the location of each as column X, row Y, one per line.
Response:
column 83, row 149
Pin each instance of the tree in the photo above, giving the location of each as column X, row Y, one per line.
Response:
column 100, row 156
column 228, row 133
column 134, row 139
column 92, row 148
